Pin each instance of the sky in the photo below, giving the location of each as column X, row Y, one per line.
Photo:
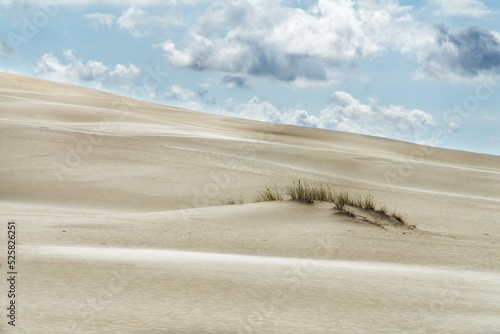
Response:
column 426, row 72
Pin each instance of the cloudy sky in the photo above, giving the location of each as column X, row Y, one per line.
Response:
column 420, row 71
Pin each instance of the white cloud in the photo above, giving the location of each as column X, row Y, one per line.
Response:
column 135, row 20
column 176, row 57
column 75, row 71
column 304, row 46
column 191, row 105
column 314, row 45
column 495, row 35
column 267, row 112
column 470, row 54
column 99, row 19
column 118, row 3
column 345, row 113
column 179, row 93
column 470, row 8
column 124, row 71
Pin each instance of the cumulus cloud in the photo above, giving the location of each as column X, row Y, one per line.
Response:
column 464, row 55
column 313, row 45
column 265, row 111
column 264, row 38
column 348, row 114
column 75, row 71
column 470, row 8
column 345, row 113
column 133, row 19
column 179, row 93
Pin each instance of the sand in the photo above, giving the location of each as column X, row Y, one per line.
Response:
column 120, row 230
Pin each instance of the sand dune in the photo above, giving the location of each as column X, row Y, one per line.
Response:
column 120, row 229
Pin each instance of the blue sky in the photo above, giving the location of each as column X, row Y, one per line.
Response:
column 420, row 71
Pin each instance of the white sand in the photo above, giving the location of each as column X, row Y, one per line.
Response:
column 120, row 230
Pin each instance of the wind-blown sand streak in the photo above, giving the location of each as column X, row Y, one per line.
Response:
column 132, row 255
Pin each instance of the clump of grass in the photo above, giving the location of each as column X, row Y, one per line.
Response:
column 368, row 202
column 383, row 210
column 269, row 194
column 357, row 201
column 398, row 216
column 231, row 201
column 300, row 190
column 297, row 191
column 228, row 201
column 320, row 192
column 310, row 193
column 342, row 199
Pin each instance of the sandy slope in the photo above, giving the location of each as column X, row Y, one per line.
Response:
column 120, row 231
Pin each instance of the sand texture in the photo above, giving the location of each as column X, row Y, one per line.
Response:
column 120, row 227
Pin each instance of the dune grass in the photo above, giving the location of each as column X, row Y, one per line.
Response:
column 369, row 203
column 398, row 216
column 228, row 201
column 320, row 192
column 310, row 193
column 342, row 199
column 325, row 193
column 383, row 210
column 231, row 201
column 299, row 191
column 269, row 194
